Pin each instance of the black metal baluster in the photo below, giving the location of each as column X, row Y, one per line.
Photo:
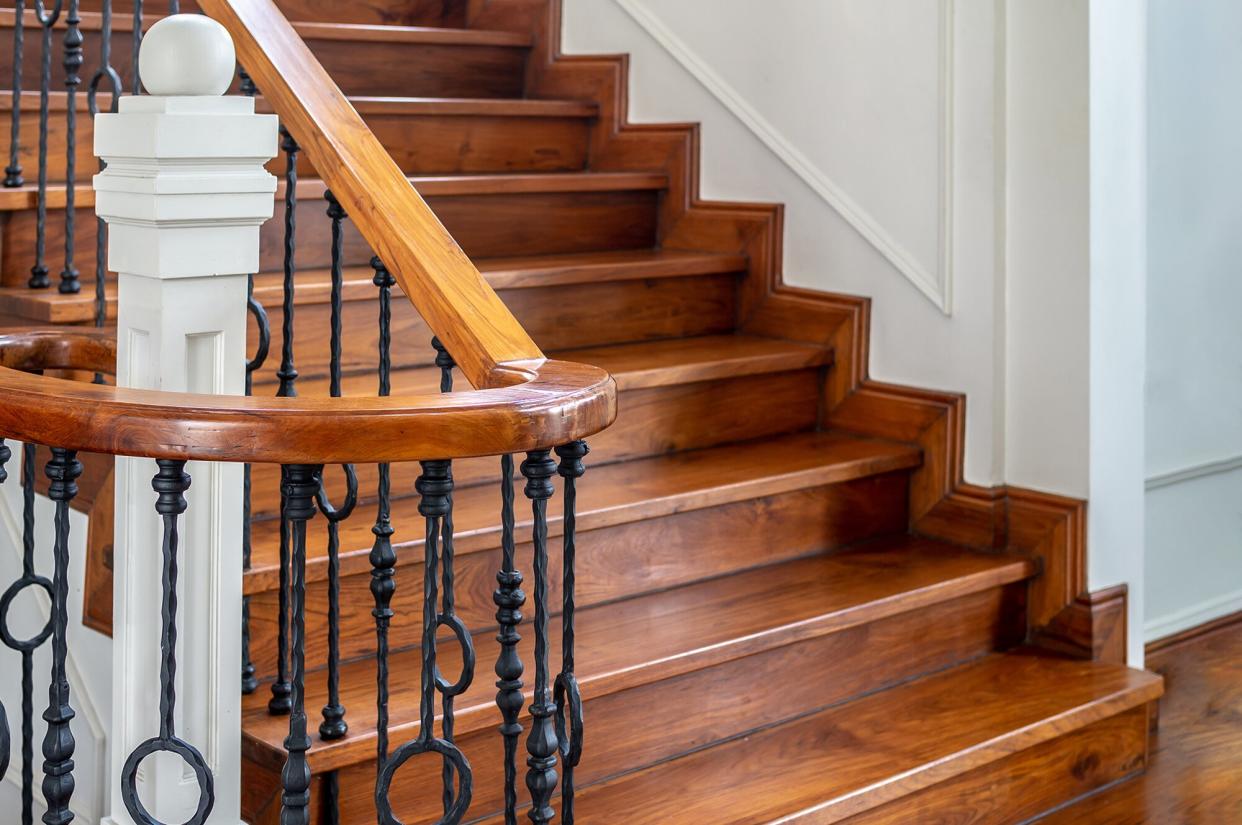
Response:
column 288, row 374
column 62, row 470
column 448, row 614
column 542, row 746
column 170, row 484
column 566, row 695
column 334, row 725
column 137, row 43
column 38, row 272
column 509, row 599
column 26, row 647
column 383, row 559
column 299, row 485
column 249, row 683
column 105, row 72
column 69, row 284
column 5, row 741
column 13, row 172
column 434, row 486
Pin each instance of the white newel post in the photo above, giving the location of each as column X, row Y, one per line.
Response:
column 184, row 193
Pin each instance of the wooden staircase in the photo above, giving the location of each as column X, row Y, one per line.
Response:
column 792, row 608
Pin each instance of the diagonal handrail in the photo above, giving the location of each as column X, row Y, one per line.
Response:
column 488, row 343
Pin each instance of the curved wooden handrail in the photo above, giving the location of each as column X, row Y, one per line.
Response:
column 488, row 343
column 555, row 403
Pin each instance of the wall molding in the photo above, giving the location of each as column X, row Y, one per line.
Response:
column 936, row 286
column 1193, row 471
column 1189, row 617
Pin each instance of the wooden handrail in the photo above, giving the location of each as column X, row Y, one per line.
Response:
column 553, row 405
column 488, row 343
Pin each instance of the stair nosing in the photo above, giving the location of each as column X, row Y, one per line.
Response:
column 353, row 561
column 1009, row 569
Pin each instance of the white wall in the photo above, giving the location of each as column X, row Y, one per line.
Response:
column 1194, row 339
column 876, row 122
column 969, row 164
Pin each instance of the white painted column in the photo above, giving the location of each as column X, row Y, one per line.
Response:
column 184, row 193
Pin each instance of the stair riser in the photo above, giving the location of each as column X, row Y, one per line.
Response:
column 486, row 226
column 450, row 13
column 358, row 67
column 1026, row 785
column 560, row 317
column 420, row 144
column 613, row 562
column 642, row 726
column 649, row 422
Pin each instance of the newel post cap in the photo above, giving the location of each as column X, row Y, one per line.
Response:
column 187, row 55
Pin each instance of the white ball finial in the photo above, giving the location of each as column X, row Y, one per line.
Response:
column 187, row 54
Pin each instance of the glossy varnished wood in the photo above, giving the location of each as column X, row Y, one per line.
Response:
column 831, row 669
column 1197, row 748
column 666, row 634
column 847, row 760
column 428, row 263
column 631, row 491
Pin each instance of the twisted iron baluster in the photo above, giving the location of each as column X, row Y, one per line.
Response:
column 299, row 485
column 137, row 43
column 249, row 682
column 334, row 725
column 105, row 72
column 383, row 559
column 509, row 599
column 448, row 614
column 541, row 745
column 62, row 470
column 5, row 744
column 38, row 272
column 69, row 284
column 13, row 172
column 170, row 484
column 281, row 691
column 566, row 695
column 434, row 485
column 28, row 646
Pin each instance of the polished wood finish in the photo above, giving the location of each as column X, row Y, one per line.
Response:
column 1093, row 627
column 450, row 13
column 1192, row 776
column 847, row 760
column 559, row 403
column 448, row 290
column 1019, row 788
column 831, row 669
column 669, row 633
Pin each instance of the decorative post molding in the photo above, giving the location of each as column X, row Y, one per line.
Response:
column 184, row 193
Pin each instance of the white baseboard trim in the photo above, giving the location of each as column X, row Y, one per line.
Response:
column 1193, row 616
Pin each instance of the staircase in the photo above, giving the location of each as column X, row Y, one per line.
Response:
column 791, row 606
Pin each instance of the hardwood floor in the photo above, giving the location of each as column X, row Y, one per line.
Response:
column 1195, row 773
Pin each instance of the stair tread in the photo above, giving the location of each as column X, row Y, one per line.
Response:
column 29, row 101
column 26, row 195
column 658, row 635
column 848, row 759
column 633, row 366
column 611, row 494
column 363, row 32
column 314, row 285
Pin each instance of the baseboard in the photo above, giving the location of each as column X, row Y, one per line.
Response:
column 1189, row 625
